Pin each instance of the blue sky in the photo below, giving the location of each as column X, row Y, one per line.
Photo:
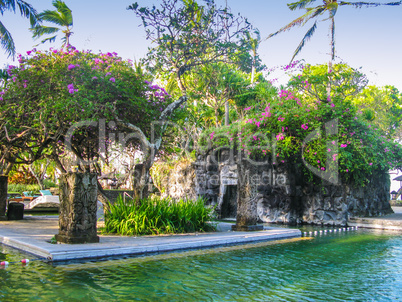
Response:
column 368, row 37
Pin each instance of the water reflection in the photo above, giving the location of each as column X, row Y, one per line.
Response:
column 350, row 266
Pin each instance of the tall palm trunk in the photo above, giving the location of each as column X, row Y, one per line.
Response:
column 332, row 44
column 227, row 113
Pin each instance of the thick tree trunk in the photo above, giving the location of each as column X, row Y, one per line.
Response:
column 3, row 196
column 141, row 180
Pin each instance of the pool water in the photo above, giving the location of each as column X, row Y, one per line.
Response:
column 354, row 266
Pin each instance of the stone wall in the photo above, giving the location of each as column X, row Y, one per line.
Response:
column 179, row 182
column 280, row 194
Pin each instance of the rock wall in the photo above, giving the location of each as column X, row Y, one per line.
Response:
column 280, row 194
column 179, row 182
column 217, row 181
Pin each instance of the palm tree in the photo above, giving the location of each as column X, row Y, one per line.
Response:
column 254, row 44
column 330, row 7
column 62, row 17
column 26, row 10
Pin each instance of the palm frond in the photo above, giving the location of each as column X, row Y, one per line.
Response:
column 65, row 12
column 368, row 4
column 6, row 41
column 53, row 17
column 43, row 30
column 307, row 37
column 310, row 14
column 28, row 11
column 299, row 4
column 50, row 40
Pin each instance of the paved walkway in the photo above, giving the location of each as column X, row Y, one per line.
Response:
column 388, row 222
column 33, row 235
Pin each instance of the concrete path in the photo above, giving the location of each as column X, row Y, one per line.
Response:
column 33, row 235
column 388, row 222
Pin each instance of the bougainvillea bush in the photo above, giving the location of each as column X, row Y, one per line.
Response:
column 52, row 90
column 305, row 123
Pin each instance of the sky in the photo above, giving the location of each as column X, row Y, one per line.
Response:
column 369, row 38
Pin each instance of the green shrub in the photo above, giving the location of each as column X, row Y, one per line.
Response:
column 157, row 215
column 19, row 188
column 49, row 184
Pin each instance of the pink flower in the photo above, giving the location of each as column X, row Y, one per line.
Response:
column 71, row 66
column 332, row 105
column 344, row 145
column 280, row 137
column 370, row 164
column 304, row 126
column 318, row 161
column 281, row 119
column 112, row 80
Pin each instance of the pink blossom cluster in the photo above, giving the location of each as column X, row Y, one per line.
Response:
column 71, row 88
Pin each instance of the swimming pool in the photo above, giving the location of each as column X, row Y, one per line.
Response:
column 354, row 266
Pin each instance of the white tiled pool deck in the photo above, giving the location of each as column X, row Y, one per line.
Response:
column 33, row 235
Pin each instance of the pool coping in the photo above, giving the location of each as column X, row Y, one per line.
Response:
column 32, row 235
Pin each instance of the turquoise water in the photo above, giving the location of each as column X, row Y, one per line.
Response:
column 354, row 266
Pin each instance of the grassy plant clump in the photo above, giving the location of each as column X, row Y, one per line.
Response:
column 155, row 215
column 19, row 188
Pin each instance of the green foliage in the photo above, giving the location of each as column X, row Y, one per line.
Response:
column 187, row 34
column 49, row 184
column 382, row 107
column 153, row 216
column 51, row 91
column 19, row 188
column 281, row 131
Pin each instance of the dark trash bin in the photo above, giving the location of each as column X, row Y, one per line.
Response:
column 15, row 211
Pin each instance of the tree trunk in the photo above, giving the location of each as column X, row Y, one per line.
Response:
column 332, row 34
column 103, row 198
column 253, row 67
column 216, row 117
column 41, row 175
column 141, row 180
column 227, row 113
column 3, row 196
